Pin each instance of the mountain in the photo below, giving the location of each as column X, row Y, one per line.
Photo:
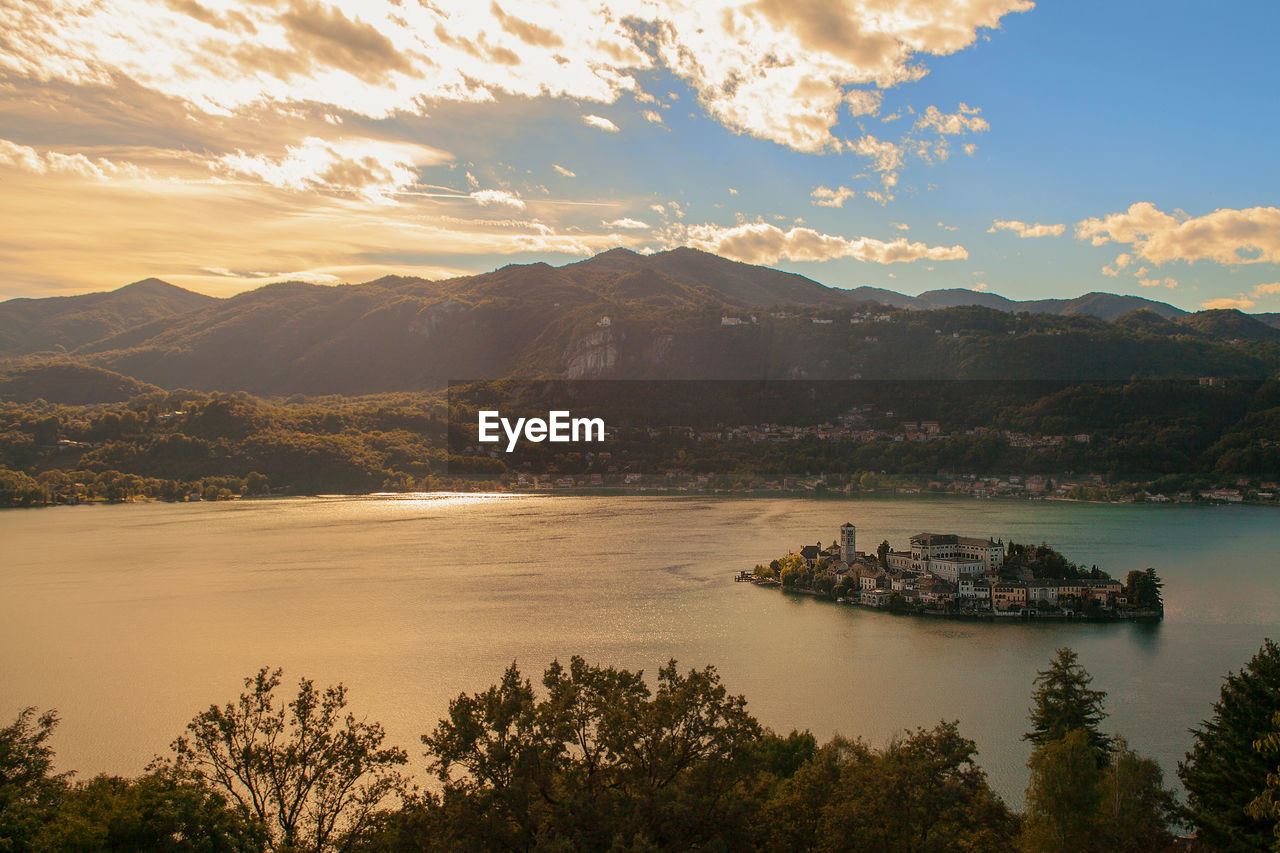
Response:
column 1229, row 324
column 1272, row 320
column 957, row 297
column 678, row 314
column 62, row 323
column 68, row 383
column 1104, row 306
column 1148, row 321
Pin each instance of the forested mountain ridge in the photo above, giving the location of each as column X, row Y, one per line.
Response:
column 676, row 314
column 63, row 323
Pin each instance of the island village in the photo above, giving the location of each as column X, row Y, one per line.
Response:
column 961, row 576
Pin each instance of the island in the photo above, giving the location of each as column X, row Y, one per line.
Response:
column 948, row 575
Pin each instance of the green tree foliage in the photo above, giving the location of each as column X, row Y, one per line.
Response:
column 1064, row 796
column 1087, row 793
column 1266, row 806
column 1063, row 702
column 793, row 572
column 1144, row 590
column 1136, row 808
column 159, row 812
column 312, row 776
column 1223, row 773
column 921, row 793
column 29, row 789
column 882, row 553
column 600, row 760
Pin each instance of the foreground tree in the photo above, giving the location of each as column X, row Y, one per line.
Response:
column 1223, row 773
column 29, row 789
column 1266, row 806
column 1136, row 808
column 1087, row 792
column 156, row 812
column 1063, row 702
column 1064, row 797
column 311, row 776
column 601, row 760
column 923, row 793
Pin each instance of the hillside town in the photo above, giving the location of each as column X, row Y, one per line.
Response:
column 963, row 576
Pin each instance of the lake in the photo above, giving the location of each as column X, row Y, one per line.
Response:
column 130, row 619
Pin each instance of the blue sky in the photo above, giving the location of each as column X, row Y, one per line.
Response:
column 1028, row 150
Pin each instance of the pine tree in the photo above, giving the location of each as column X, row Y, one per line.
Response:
column 1063, row 702
column 1224, row 772
column 1147, row 591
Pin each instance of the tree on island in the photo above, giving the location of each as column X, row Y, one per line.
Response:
column 882, row 552
column 1143, row 589
column 1224, row 772
column 1063, row 702
column 793, row 571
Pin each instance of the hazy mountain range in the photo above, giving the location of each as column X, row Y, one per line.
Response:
column 618, row 315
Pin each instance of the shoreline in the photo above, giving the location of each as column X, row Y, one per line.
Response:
column 620, row 491
column 1024, row 616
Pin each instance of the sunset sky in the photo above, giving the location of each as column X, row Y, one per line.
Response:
column 1031, row 150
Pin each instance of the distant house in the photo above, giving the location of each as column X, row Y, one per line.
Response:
column 876, row 597
column 1010, row 595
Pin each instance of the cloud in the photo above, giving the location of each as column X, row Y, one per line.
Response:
column 886, row 158
column 502, row 198
column 763, row 243
column 370, row 168
column 964, row 121
column 376, row 58
column 1170, row 283
column 178, row 228
column 807, row 57
column 1225, row 236
column 863, row 102
column 827, row 197
column 901, row 226
column 600, row 122
column 970, row 148
column 652, row 116
column 1267, row 289
column 627, row 224
column 45, row 162
column 1122, row 260
column 945, row 227
column 1239, row 303
column 982, row 285
column 563, row 171
column 1024, row 230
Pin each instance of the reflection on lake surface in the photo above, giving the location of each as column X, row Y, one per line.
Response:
column 130, row 619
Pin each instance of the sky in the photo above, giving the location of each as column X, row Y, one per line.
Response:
column 1028, row 149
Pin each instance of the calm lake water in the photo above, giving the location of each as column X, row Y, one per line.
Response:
column 130, row 619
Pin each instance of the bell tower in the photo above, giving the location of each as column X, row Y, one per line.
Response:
column 848, row 541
